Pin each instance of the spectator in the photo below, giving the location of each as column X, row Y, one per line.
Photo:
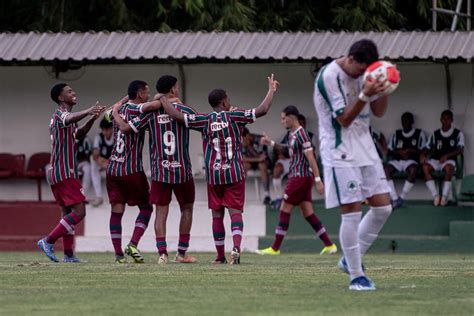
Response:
column 256, row 158
column 442, row 147
column 102, row 149
column 404, row 152
column 83, row 159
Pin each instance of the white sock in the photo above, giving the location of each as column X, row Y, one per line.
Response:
column 406, row 188
column 277, row 186
column 393, row 192
column 432, row 187
column 446, row 188
column 348, row 236
column 371, row 225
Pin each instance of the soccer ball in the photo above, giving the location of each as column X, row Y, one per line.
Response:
column 108, row 115
column 383, row 70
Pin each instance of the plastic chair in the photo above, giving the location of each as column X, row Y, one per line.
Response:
column 35, row 169
column 466, row 193
column 6, row 163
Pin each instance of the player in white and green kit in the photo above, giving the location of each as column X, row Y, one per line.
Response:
column 353, row 170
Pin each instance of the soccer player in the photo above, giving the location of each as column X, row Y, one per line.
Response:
column 222, row 146
column 101, row 152
column 405, row 147
column 444, row 146
column 353, row 170
column 125, row 179
column 62, row 175
column 303, row 173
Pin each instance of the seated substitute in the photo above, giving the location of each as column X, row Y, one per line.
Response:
column 404, row 151
column 443, row 147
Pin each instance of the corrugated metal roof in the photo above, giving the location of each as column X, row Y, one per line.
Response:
column 105, row 46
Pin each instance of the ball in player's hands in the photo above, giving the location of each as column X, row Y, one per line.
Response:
column 383, row 70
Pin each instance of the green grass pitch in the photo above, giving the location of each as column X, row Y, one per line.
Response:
column 290, row 284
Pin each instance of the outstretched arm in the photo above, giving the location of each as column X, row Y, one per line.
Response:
column 153, row 105
column 263, row 108
column 75, row 117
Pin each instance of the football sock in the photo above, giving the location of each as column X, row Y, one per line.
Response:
column 277, row 187
column 161, row 245
column 371, row 225
column 406, row 188
column 393, row 192
column 65, row 226
column 348, row 236
column 319, row 229
column 237, row 227
column 281, row 229
column 432, row 187
column 115, row 226
column 183, row 243
column 68, row 244
column 446, row 188
column 141, row 223
column 218, row 231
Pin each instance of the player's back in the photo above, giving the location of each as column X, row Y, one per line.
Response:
column 63, row 148
column 169, row 147
column 298, row 143
column 126, row 155
column 340, row 146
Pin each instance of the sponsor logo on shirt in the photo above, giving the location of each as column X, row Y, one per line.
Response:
column 117, row 159
column 163, row 119
column 218, row 166
column 217, row 126
column 170, row 164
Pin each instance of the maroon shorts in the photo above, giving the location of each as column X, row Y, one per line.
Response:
column 161, row 192
column 68, row 192
column 298, row 189
column 132, row 189
column 226, row 195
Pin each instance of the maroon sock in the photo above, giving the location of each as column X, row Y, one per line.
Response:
column 141, row 223
column 281, row 229
column 319, row 228
column 218, row 231
column 68, row 244
column 115, row 226
column 65, row 226
column 237, row 226
column 161, row 245
column 183, row 243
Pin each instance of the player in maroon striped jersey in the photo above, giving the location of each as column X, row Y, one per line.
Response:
column 126, row 180
column 62, row 175
column 303, row 173
column 222, row 144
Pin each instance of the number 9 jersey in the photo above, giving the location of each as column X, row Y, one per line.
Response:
column 126, row 155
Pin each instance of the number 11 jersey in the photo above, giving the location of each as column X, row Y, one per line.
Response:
column 169, row 147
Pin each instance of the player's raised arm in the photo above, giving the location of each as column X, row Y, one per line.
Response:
column 153, row 105
column 172, row 111
column 265, row 140
column 74, row 117
column 263, row 108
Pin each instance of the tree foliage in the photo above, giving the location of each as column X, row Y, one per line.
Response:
column 220, row 15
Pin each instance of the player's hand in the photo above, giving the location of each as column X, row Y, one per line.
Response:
column 96, row 110
column 157, row 96
column 422, row 158
column 374, row 87
column 264, row 140
column 443, row 159
column 272, row 83
column 320, row 187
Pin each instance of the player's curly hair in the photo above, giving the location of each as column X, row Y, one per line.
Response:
column 56, row 91
column 291, row 110
column 134, row 87
column 165, row 83
column 364, row 51
column 216, row 96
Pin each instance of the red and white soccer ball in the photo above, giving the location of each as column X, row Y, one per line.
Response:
column 383, row 70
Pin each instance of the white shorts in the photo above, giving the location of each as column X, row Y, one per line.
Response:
column 437, row 166
column 286, row 165
column 353, row 184
column 402, row 165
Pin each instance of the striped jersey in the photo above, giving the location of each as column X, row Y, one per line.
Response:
column 169, row 147
column 340, row 146
column 299, row 142
column 63, row 148
column 126, row 155
column 222, row 143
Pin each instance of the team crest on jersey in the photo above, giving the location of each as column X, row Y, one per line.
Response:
column 170, row 164
column 217, row 126
column 163, row 119
column 352, row 186
column 413, row 142
column 451, row 142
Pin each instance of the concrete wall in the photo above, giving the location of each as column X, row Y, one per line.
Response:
column 26, row 108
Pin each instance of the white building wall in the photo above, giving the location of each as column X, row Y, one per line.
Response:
column 26, row 108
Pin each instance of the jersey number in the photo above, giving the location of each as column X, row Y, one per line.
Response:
column 120, row 143
column 170, row 142
column 228, row 148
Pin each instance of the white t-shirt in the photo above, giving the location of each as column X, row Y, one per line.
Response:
column 342, row 146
